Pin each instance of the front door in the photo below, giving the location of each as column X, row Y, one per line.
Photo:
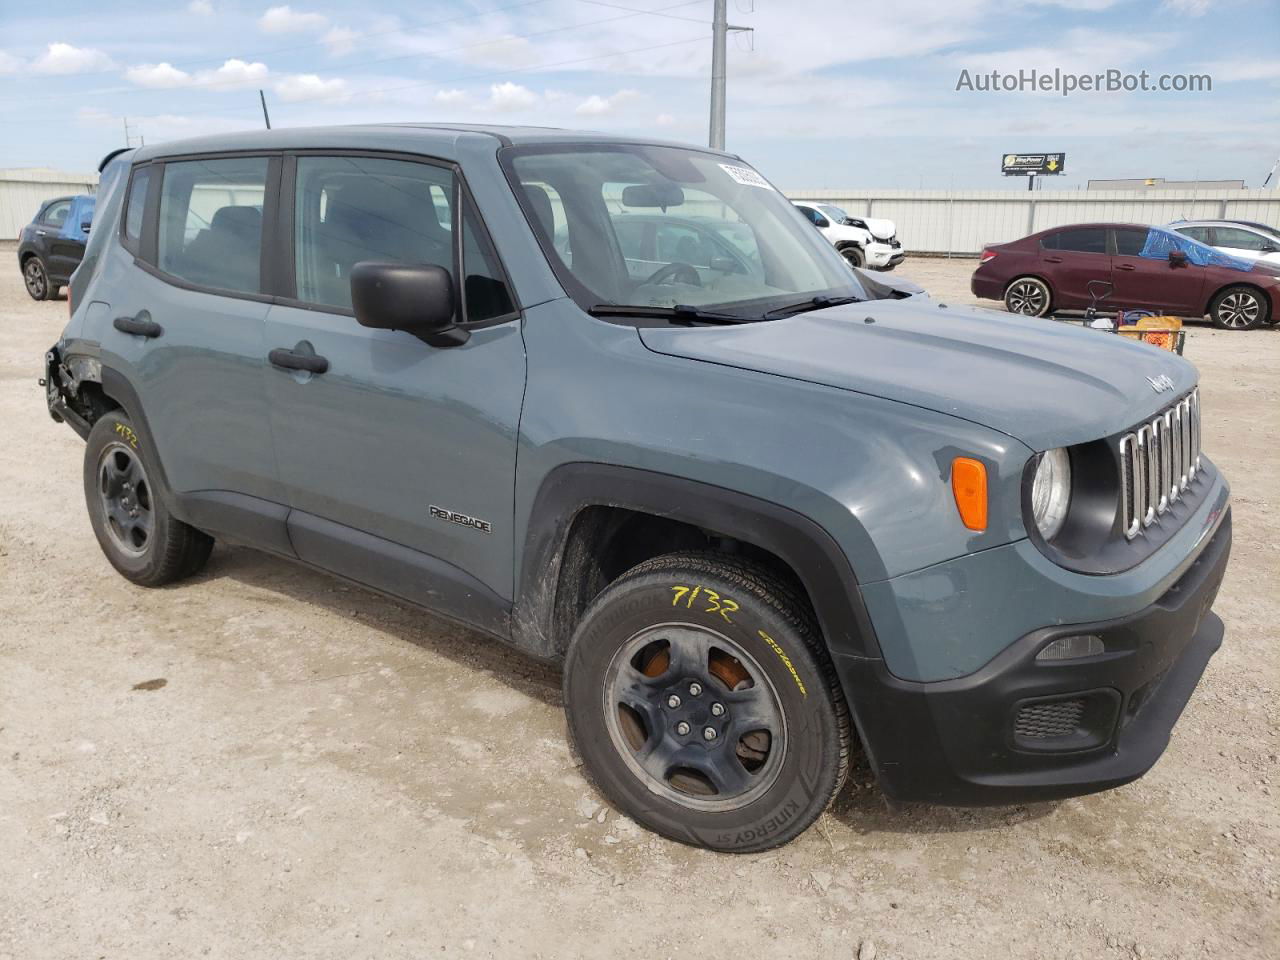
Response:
column 399, row 458
column 1154, row 282
column 1076, row 264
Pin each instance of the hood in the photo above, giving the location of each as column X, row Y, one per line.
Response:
column 880, row 229
column 1045, row 383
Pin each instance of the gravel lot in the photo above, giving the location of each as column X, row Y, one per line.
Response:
column 264, row 762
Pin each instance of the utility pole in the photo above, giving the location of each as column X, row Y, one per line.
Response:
column 720, row 29
column 265, row 116
column 128, row 137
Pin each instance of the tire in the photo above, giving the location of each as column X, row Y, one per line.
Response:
column 734, row 639
column 1239, row 308
column 141, row 539
column 853, row 255
column 35, row 277
column 1028, row 297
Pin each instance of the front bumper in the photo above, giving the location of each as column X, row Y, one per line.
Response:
column 1021, row 729
column 883, row 256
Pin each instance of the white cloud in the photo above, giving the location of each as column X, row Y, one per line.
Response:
column 598, row 106
column 665, row 120
column 9, row 63
column 233, row 74
column 339, row 40
column 201, row 8
column 285, row 19
column 64, row 58
column 157, row 75
column 309, row 86
column 510, row 96
column 1192, row 8
column 450, row 97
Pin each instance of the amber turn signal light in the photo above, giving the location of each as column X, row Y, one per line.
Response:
column 969, row 484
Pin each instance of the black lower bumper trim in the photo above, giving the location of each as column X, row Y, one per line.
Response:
column 960, row 742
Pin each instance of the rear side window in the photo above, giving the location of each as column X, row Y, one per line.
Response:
column 352, row 209
column 1087, row 240
column 1131, row 243
column 210, row 230
column 137, row 207
column 1239, row 239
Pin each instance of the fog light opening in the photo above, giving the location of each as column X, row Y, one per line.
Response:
column 1073, row 648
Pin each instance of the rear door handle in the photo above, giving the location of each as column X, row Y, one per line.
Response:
column 292, row 360
column 40, row 233
column 1125, row 266
column 142, row 325
column 1052, row 259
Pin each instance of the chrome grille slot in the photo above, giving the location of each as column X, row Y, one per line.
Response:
column 1158, row 461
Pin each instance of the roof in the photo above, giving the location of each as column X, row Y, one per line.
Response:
column 438, row 139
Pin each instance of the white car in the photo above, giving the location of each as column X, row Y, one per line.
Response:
column 1240, row 238
column 863, row 241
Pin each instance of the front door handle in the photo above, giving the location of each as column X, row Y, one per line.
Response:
column 292, row 360
column 1052, row 259
column 1125, row 266
column 142, row 325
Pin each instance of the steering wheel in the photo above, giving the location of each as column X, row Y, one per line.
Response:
column 673, row 272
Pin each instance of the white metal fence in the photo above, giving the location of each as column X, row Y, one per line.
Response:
column 22, row 192
column 961, row 222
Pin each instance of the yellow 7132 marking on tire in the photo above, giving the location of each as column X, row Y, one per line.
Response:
column 715, row 603
column 128, row 434
column 786, row 660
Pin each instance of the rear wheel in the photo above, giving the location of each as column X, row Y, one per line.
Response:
column 704, row 706
column 1028, row 297
column 36, row 279
column 1238, row 308
column 135, row 530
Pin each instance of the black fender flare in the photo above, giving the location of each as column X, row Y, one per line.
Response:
column 118, row 387
column 798, row 541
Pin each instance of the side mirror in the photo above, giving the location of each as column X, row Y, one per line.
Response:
column 726, row 265
column 417, row 298
column 85, row 227
column 821, row 221
column 1177, row 258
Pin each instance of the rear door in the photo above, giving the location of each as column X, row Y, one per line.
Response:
column 1077, row 266
column 1153, row 283
column 186, row 322
column 399, row 459
column 58, row 256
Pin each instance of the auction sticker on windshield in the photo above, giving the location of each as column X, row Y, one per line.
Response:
column 746, row 175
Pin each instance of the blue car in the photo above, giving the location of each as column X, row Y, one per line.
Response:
column 50, row 246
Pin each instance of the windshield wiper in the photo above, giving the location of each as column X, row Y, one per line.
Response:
column 680, row 313
column 814, row 303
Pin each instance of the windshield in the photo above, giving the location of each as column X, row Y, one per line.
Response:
column 834, row 212
column 648, row 226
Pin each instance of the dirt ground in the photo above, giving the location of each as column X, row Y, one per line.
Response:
column 264, row 762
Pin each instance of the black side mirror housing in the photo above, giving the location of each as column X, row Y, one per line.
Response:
column 1177, row 258
column 417, row 298
column 822, row 222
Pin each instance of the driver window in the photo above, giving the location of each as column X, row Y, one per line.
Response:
column 1239, row 239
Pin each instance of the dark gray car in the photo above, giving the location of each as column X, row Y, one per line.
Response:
column 761, row 508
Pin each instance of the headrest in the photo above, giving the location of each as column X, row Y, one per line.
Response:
column 242, row 221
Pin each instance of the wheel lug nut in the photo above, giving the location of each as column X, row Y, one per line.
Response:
column 709, row 733
column 673, row 701
column 695, row 689
column 682, row 728
column 717, row 709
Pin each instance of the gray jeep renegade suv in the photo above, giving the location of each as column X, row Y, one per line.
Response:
column 757, row 503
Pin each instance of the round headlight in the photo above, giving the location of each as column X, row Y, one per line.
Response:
column 1051, row 492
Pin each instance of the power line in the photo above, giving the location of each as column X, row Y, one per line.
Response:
column 347, row 68
column 653, row 13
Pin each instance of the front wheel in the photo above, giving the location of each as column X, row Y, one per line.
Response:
column 704, row 706
column 853, row 255
column 1238, row 308
column 1028, row 297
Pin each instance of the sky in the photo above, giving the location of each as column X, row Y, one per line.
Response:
column 821, row 94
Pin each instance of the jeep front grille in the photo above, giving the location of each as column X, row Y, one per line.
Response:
column 1158, row 461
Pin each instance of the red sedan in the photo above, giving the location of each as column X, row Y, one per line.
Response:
column 1136, row 267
